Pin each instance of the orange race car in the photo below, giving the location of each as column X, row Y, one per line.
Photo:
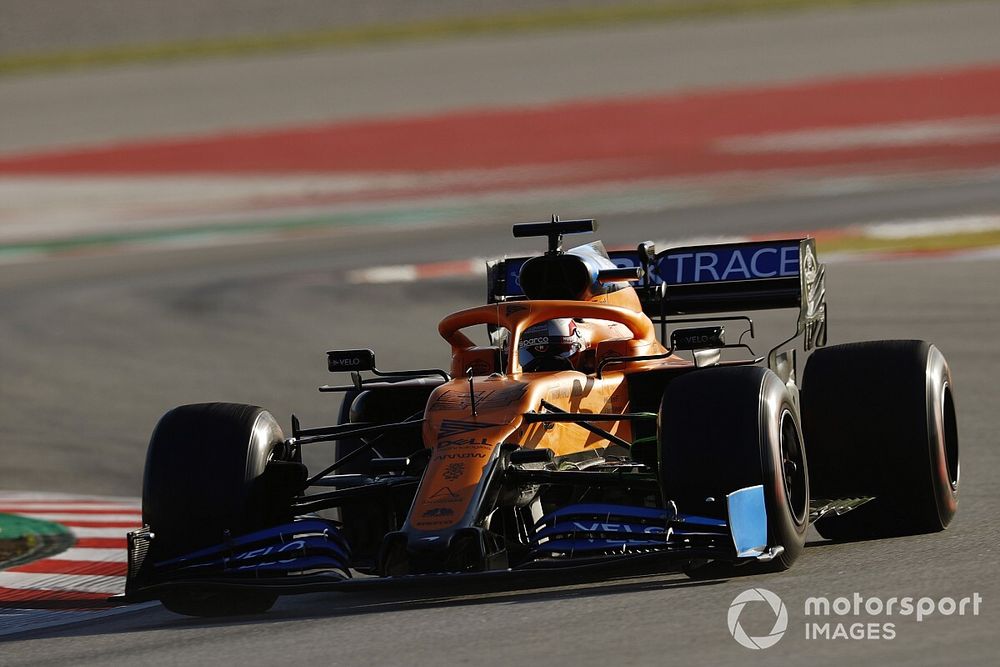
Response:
column 608, row 416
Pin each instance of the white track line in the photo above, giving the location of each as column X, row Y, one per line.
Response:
column 20, row 508
column 972, row 224
column 952, row 131
column 85, row 583
column 86, row 531
column 95, row 554
column 403, row 273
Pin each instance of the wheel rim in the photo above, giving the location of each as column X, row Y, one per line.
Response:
column 793, row 469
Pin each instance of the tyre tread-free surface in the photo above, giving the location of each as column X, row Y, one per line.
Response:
column 879, row 420
column 720, row 431
column 202, row 481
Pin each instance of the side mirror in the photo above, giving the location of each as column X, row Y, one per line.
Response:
column 700, row 338
column 629, row 274
column 350, row 360
column 647, row 253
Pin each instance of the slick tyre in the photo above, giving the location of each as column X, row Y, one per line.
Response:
column 205, row 478
column 724, row 429
column 879, row 421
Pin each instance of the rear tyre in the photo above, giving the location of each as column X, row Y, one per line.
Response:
column 724, row 429
column 205, row 478
column 879, row 420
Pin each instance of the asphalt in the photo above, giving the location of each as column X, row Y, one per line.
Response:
column 113, row 104
column 95, row 348
column 44, row 26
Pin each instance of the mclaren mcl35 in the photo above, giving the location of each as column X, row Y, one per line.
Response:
column 616, row 411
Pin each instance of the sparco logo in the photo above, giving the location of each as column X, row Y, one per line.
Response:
column 777, row 609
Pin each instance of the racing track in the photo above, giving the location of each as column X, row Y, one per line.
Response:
column 113, row 342
column 94, row 349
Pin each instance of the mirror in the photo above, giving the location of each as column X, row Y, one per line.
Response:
column 700, row 338
column 350, row 360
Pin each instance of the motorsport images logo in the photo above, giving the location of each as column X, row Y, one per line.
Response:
column 852, row 618
column 773, row 608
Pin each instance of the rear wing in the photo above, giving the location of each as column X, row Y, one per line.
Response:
column 713, row 279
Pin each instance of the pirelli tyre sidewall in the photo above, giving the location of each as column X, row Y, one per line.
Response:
column 724, row 429
column 880, row 421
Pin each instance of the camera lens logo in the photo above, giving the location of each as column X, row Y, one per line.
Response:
column 776, row 606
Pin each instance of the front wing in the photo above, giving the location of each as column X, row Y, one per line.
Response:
column 310, row 554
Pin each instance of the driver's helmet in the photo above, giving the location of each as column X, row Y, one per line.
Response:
column 553, row 345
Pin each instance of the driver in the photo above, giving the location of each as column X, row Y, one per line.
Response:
column 553, row 345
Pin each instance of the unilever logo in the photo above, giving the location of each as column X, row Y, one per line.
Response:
column 777, row 607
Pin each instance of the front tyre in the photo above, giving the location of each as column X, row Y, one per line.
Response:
column 216, row 605
column 204, row 479
column 724, row 429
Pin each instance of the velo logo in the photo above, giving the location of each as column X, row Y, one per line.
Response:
column 776, row 607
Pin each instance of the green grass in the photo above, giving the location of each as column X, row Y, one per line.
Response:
column 293, row 226
column 21, row 537
column 542, row 20
column 312, row 226
column 943, row 242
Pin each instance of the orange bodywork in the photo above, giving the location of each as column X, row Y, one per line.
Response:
column 464, row 445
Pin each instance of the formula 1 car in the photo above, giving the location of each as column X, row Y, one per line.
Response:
column 610, row 416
